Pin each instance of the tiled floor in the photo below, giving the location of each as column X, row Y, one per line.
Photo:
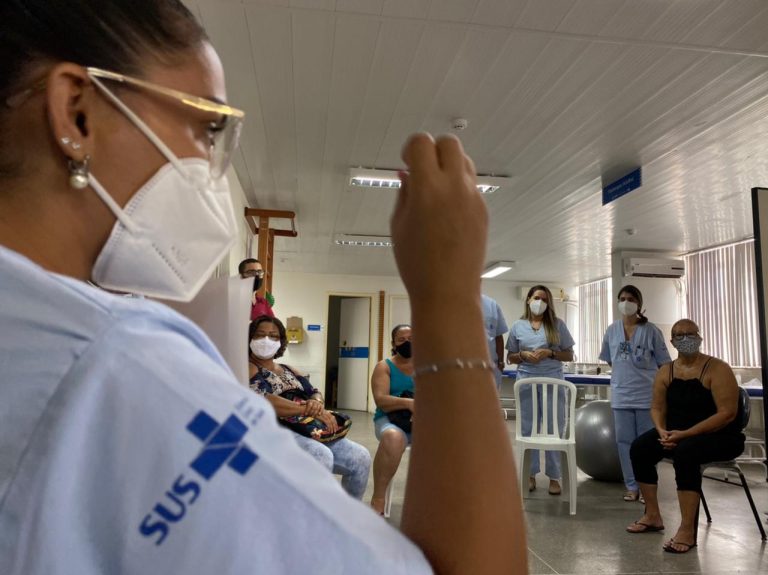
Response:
column 594, row 540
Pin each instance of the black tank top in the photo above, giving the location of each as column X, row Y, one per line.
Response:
column 689, row 403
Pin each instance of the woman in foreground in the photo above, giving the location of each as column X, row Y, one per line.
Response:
column 132, row 448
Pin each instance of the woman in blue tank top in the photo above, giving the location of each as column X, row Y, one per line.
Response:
column 391, row 379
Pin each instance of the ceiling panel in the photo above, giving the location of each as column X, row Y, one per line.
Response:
column 499, row 12
column 565, row 95
column 545, row 14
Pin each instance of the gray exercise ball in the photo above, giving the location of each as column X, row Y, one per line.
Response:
column 596, row 451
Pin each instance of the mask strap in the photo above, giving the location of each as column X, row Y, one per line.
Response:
column 112, row 204
column 140, row 124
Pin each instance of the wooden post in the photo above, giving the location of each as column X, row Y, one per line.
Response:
column 263, row 251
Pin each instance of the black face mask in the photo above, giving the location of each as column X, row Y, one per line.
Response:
column 404, row 349
column 257, row 283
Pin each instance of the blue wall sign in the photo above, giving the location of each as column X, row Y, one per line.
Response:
column 353, row 353
column 622, row 186
column 313, row 327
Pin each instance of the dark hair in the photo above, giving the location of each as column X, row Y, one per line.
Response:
column 118, row 35
column 245, row 262
column 550, row 317
column 635, row 293
column 280, row 328
column 397, row 328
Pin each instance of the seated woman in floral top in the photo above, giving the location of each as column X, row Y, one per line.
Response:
column 267, row 342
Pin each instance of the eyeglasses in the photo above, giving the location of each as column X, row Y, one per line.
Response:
column 272, row 336
column 680, row 337
column 253, row 273
column 224, row 132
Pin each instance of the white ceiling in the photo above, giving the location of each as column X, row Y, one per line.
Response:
column 564, row 95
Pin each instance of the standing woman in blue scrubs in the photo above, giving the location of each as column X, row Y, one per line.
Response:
column 539, row 342
column 635, row 349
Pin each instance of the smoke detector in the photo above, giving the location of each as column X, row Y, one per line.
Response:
column 459, row 124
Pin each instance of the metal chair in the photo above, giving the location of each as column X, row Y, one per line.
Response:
column 546, row 434
column 733, row 466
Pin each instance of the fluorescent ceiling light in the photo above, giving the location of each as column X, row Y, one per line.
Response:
column 362, row 178
column 497, row 269
column 363, row 241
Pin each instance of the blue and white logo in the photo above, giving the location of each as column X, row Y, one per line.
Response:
column 222, row 447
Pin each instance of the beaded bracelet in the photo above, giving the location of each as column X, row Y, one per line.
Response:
column 456, row 363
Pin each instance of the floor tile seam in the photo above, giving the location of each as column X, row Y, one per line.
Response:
column 547, row 565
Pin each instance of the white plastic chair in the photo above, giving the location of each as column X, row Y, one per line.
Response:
column 563, row 440
column 390, row 487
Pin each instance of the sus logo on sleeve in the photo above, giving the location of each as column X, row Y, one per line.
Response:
column 222, row 446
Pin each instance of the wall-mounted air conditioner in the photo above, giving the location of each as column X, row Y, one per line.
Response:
column 654, row 268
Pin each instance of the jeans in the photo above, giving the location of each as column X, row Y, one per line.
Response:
column 343, row 457
column 629, row 425
column 525, row 412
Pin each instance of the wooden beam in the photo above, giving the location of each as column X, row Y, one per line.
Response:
column 263, row 250
column 258, row 213
column 282, row 233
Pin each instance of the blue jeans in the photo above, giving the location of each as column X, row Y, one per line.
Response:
column 630, row 424
column 525, row 412
column 344, row 457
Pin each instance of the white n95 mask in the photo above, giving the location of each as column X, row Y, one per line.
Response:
column 627, row 307
column 174, row 230
column 264, row 348
column 538, row 306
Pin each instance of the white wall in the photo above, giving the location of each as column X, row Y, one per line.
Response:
column 239, row 251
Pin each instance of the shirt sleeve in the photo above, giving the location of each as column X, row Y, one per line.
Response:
column 660, row 351
column 513, row 343
column 566, row 339
column 605, row 351
column 155, row 460
column 501, row 323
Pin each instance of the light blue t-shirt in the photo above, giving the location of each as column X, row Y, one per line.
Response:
column 127, row 446
column 522, row 337
column 634, row 363
column 495, row 324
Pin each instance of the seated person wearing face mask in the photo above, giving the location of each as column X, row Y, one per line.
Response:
column 392, row 378
column 696, row 413
column 344, row 457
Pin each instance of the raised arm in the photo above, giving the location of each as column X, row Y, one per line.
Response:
column 460, row 523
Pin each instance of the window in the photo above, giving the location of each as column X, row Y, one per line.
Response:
column 595, row 315
column 722, row 300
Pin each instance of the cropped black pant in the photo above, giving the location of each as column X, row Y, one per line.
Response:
column 687, row 456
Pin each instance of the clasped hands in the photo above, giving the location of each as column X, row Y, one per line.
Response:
column 314, row 408
column 670, row 439
column 537, row 355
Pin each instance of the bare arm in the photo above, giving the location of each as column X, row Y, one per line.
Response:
column 284, row 407
column 457, row 523
column 380, row 388
column 499, row 341
column 659, row 400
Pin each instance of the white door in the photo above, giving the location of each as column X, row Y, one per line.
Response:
column 354, row 335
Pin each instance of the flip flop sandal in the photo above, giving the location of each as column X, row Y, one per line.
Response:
column 631, row 495
column 645, row 528
column 669, row 549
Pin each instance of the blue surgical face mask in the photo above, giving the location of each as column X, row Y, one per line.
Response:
column 687, row 344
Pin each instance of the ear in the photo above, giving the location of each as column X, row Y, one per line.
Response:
column 70, row 95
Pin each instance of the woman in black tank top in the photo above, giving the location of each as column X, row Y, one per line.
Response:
column 697, row 420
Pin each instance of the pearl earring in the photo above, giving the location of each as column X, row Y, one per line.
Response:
column 78, row 173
